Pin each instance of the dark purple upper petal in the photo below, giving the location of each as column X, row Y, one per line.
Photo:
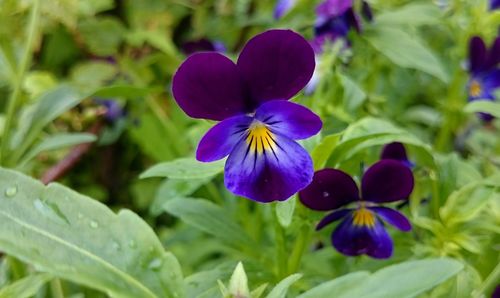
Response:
column 199, row 45
column 330, row 189
column 267, row 168
column 477, row 54
column 387, row 181
column 334, row 216
column 393, row 217
column 209, row 86
column 276, row 64
column 333, row 8
column 220, row 140
column 289, row 119
column 354, row 240
column 396, row 151
column 494, row 4
column 494, row 54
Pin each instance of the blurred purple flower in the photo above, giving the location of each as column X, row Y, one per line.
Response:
column 494, row 4
column 114, row 111
column 484, row 71
column 496, row 292
column 396, row 151
column 335, row 18
column 362, row 229
column 282, row 7
column 258, row 125
column 202, row 45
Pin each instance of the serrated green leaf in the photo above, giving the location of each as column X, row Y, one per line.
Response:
column 79, row 239
column 184, row 168
column 26, row 287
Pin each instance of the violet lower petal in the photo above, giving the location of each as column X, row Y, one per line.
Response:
column 282, row 7
column 289, row 119
column 276, row 64
column 220, row 140
column 393, row 217
column 267, row 167
column 387, row 181
column 354, row 240
column 209, row 86
column 330, row 189
column 332, row 217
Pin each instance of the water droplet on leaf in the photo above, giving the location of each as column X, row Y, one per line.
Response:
column 94, row 224
column 155, row 264
column 11, row 191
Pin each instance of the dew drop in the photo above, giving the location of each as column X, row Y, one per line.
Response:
column 93, row 224
column 116, row 245
column 131, row 244
column 155, row 264
column 326, row 194
column 11, row 191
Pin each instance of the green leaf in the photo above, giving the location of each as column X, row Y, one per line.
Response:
column 103, row 35
column 483, row 106
column 184, row 168
column 238, row 284
column 405, row 50
column 93, row 74
column 369, row 132
column 280, row 290
column 354, row 96
column 284, row 211
column 26, row 287
column 127, row 91
column 59, row 141
column 321, row 153
column 337, row 286
column 79, row 239
column 405, row 280
column 209, row 218
column 415, row 14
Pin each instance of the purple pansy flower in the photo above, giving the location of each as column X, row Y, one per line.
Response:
column 258, row 125
column 494, row 4
column 335, row 18
column 114, row 111
column 396, row 151
column 362, row 229
column 202, row 45
column 484, row 71
column 282, row 7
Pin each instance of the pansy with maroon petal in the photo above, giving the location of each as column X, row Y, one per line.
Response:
column 362, row 229
column 484, row 72
column 259, row 126
column 396, row 151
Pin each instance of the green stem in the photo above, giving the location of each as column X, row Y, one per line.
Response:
column 488, row 283
column 280, row 247
column 436, row 198
column 15, row 95
column 56, row 288
column 298, row 249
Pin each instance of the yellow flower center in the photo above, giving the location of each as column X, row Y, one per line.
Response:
column 260, row 138
column 363, row 217
column 475, row 88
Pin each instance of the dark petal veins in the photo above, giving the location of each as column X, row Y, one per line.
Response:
column 477, row 54
column 353, row 240
column 209, row 86
column 330, row 189
column 332, row 217
column 220, row 140
column 276, row 65
column 289, row 119
column 387, row 181
column 393, row 217
column 275, row 173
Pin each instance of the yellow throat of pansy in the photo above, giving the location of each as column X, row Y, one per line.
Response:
column 260, row 138
column 475, row 89
column 363, row 217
